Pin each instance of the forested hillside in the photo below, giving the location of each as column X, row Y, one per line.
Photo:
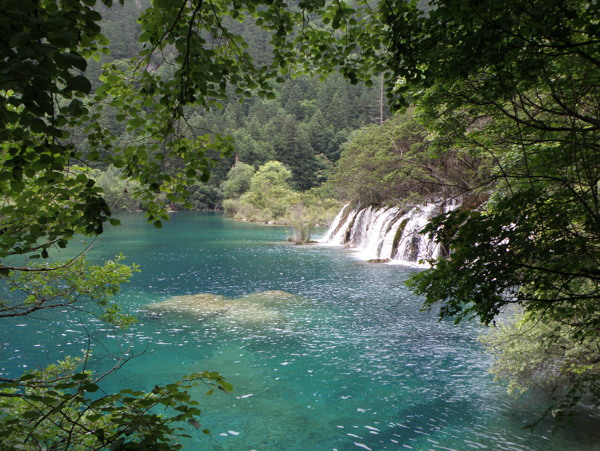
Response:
column 397, row 162
column 301, row 123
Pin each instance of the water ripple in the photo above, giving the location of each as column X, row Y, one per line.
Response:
column 355, row 365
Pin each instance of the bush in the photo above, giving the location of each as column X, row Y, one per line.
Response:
column 539, row 354
column 271, row 199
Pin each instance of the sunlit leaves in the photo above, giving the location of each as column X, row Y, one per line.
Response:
column 61, row 405
column 41, row 200
column 77, row 283
column 535, row 353
column 44, row 48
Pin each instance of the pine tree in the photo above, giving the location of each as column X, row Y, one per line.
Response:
column 294, row 150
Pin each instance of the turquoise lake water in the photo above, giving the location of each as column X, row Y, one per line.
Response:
column 350, row 362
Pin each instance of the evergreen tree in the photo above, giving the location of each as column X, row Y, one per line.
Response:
column 320, row 135
column 295, row 97
column 250, row 150
column 293, row 149
column 233, row 116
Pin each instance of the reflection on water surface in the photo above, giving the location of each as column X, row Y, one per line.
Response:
column 324, row 352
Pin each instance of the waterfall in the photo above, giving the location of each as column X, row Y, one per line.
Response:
column 336, row 234
column 387, row 234
column 372, row 247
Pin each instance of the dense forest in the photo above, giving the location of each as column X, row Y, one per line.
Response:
column 275, row 113
column 302, row 122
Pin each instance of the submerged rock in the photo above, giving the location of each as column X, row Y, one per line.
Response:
column 379, row 260
column 201, row 303
column 269, row 297
column 250, row 308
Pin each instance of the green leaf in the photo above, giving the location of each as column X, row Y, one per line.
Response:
column 80, row 376
column 136, row 122
column 75, row 60
column 38, row 126
column 79, row 83
column 91, row 388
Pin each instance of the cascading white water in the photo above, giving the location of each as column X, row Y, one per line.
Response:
column 360, row 227
column 387, row 234
column 337, row 230
column 372, row 246
column 413, row 246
